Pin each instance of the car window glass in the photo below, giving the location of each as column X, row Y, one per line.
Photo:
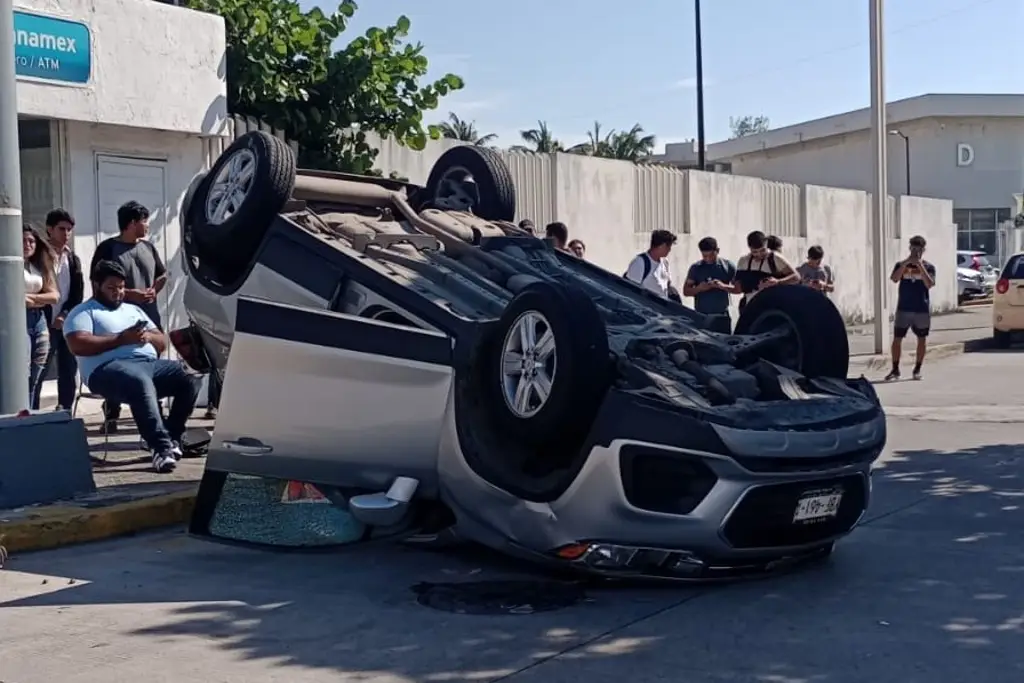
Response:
column 1014, row 269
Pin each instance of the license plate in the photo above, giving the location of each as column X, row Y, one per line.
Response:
column 817, row 506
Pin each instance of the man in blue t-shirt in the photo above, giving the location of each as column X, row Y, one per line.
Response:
column 118, row 347
column 710, row 281
column 915, row 277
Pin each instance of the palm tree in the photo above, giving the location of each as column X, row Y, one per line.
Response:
column 539, row 140
column 630, row 145
column 459, row 129
column 596, row 144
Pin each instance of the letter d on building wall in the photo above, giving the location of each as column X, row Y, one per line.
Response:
column 964, row 154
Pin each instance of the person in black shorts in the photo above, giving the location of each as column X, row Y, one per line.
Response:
column 915, row 278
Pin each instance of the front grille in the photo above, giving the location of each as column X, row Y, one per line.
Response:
column 783, row 464
column 663, row 481
column 764, row 517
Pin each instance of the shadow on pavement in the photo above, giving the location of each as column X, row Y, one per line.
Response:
column 928, row 589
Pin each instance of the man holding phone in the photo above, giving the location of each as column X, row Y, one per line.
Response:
column 915, row 278
column 118, row 350
column 710, row 282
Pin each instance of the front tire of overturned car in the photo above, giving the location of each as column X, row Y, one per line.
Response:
column 560, row 377
column 818, row 345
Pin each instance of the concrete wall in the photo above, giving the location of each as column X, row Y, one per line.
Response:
column 845, row 160
column 153, row 66
column 613, row 206
column 184, row 157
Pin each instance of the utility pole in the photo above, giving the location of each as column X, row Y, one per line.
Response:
column 701, row 142
column 879, row 199
column 13, row 336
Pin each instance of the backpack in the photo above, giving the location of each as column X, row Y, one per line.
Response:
column 648, row 267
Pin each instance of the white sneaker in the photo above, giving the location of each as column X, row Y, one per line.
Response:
column 176, row 451
column 164, row 463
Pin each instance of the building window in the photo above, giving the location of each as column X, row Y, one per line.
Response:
column 40, row 172
column 976, row 228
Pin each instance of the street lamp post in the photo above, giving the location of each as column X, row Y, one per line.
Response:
column 881, row 185
column 906, row 153
column 701, row 143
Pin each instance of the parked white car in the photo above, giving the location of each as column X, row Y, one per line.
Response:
column 971, row 284
column 979, row 262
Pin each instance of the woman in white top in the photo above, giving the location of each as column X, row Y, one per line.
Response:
column 40, row 293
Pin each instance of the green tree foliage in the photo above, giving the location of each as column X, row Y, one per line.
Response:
column 283, row 68
column 748, row 125
column 628, row 145
column 539, row 140
column 456, row 128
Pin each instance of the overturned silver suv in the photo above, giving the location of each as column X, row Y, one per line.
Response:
column 435, row 373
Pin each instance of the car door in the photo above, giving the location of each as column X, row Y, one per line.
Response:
column 331, row 399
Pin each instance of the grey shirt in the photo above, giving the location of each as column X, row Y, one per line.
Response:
column 141, row 263
column 809, row 273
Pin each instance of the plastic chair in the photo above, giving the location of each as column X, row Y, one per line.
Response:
column 83, row 392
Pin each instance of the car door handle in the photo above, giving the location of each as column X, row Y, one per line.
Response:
column 246, row 446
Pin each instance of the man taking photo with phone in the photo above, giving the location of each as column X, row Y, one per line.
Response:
column 118, row 349
column 915, row 278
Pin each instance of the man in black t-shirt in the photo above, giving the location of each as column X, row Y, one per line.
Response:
column 915, row 278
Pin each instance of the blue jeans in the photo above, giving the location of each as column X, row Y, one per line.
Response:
column 38, row 351
column 141, row 383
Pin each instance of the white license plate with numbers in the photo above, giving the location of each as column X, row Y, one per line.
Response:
column 817, row 506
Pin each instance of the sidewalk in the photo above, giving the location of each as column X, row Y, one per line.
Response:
column 948, row 336
column 130, row 496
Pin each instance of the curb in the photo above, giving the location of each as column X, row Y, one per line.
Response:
column 55, row 526
column 936, row 352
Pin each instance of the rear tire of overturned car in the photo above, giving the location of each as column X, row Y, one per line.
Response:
column 238, row 200
column 547, row 365
column 817, row 345
column 491, row 195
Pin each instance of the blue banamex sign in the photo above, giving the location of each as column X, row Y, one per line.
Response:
column 51, row 49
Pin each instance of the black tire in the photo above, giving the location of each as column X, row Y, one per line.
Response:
column 495, row 193
column 229, row 244
column 822, row 350
column 185, row 212
column 581, row 372
column 1001, row 339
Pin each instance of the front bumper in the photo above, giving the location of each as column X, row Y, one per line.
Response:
column 674, row 499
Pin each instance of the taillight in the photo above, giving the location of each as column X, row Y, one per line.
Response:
column 187, row 343
column 1003, row 286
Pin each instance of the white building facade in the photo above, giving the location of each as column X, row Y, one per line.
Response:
column 116, row 101
column 968, row 148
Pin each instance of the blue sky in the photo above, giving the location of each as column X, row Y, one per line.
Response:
column 571, row 62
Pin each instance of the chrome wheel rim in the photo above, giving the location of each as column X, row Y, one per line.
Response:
column 528, row 364
column 230, row 186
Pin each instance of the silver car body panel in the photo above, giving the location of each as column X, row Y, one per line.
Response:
column 330, row 413
column 595, row 508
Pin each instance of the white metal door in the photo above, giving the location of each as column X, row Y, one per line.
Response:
column 121, row 179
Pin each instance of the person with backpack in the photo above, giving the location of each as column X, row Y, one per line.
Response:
column 650, row 268
column 761, row 268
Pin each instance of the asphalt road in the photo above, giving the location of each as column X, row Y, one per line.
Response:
column 931, row 588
